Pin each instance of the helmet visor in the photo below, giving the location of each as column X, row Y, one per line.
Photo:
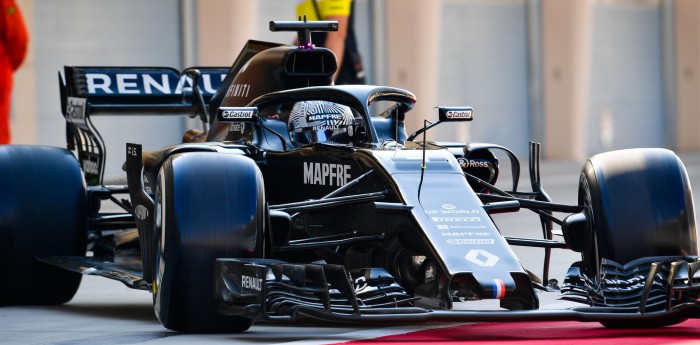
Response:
column 339, row 135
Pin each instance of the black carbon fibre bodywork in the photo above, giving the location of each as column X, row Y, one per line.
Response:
column 386, row 227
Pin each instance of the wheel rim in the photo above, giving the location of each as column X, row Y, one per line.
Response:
column 590, row 256
column 160, row 206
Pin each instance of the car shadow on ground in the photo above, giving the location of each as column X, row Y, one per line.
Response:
column 128, row 311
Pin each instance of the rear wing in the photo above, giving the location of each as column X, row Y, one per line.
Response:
column 140, row 90
column 114, row 91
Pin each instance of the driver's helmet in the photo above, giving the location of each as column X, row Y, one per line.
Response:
column 320, row 122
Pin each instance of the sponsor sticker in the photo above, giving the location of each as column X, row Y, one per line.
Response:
column 456, row 219
column 430, row 273
column 481, row 258
column 238, row 90
column 326, row 174
column 455, row 113
column 324, row 127
column 105, row 81
column 324, row 117
column 466, row 234
column 90, row 166
column 451, row 211
column 251, row 283
column 75, row 110
column 459, row 227
column 470, row 241
column 360, row 283
column 141, row 212
column 473, row 163
column 237, row 127
column 459, row 114
column 237, row 113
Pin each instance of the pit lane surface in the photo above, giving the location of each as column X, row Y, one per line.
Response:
column 106, row 312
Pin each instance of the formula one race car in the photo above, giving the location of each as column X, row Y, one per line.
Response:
column 303, row 199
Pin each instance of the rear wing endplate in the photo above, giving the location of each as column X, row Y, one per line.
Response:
column 115, row 91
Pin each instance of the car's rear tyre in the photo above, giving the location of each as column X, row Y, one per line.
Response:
column 640, row 205
column 43, row 211
column 208, row 206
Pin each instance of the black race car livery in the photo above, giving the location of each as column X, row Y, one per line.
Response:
column 356, row 221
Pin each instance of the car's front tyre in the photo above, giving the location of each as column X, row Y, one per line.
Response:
column 639, row 204
column 208, row 206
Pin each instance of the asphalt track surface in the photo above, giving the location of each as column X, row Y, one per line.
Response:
column 107, row 312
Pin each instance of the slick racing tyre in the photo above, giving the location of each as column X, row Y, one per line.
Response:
column 639, row 205
column 43, row 212
column 208, row 206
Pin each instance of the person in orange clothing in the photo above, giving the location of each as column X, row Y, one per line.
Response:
column 341, row 42
column 13, row 48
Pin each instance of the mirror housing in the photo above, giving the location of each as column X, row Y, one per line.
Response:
column 237, row 114
column 452, row 114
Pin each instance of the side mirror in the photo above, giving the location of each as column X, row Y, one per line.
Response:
column 447, row 114
column 237, row 114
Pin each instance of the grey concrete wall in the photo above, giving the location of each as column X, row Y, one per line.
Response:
column 104, row 33
column 626, row 107
column 687, row 72
column 483, row 62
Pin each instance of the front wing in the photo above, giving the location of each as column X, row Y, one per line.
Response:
column 273, row 290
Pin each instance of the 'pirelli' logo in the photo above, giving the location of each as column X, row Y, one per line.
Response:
column 456, row 219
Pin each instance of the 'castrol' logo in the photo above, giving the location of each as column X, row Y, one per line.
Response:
column 237, row 114
column 459, row 114
column 75, row 110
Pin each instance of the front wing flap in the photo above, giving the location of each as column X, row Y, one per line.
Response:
column 272, row 289
column 643, row 285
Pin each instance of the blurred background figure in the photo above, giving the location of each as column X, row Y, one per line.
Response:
column 13, row 48
column 342, row 42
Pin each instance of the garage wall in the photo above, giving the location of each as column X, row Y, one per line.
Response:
column 626, row 107
column 104, row 33
column 687, row 72
column 483, row 63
